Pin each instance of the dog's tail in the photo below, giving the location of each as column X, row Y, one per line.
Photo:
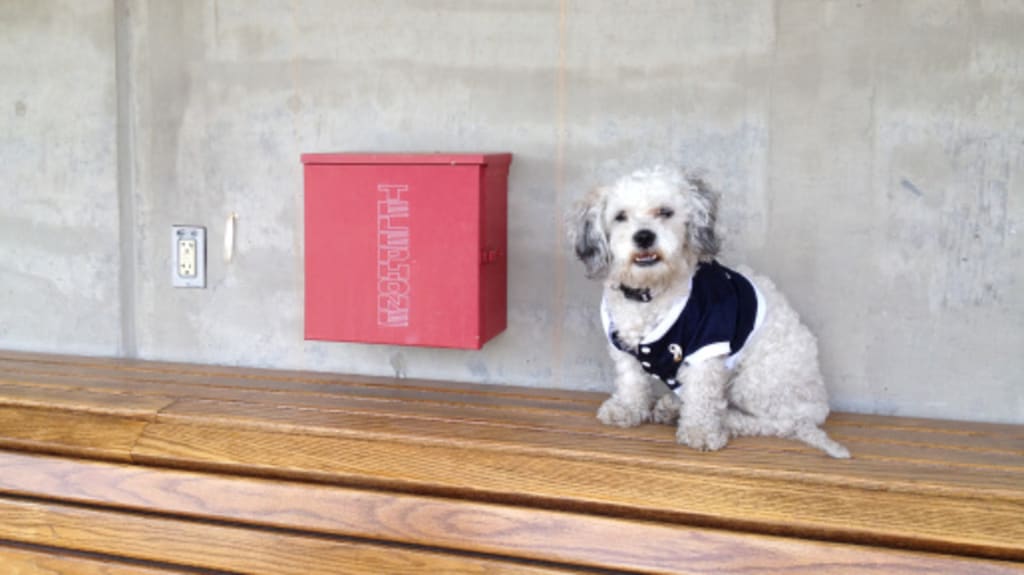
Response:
column 816, row 437
column 740, row 423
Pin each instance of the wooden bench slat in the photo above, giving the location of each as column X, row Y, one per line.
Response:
column 1000, row 439
column 990, row 447
column 274, row 378
column 984, row 470
column 937, row 522
column 253, row 378
column 292, row 381
column 891, row 423
column 15, row 362
column 991, row 442
column 447, row 393
column 552, row 536
column 916, row 466
column 168, row 385
column 141, row 406
column 25, row 561
column 68, row 432
column 228, row 548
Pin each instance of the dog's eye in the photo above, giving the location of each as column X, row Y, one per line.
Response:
column 620, row 217
column 666, row 213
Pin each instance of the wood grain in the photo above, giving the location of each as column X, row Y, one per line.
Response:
column 983, row 469
column 297, row 381
column 448, row 397
column 424, row 404
column 926, row 485
column 939, row 523
column 131, row 404
column 76, row 372
column 69, row 432
column 498, row 530
column 22, row 561
column 918, row 444
column 275, row 379
column 414, row 390
column 228, row 548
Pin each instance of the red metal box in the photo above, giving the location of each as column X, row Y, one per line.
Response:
column 406, row 249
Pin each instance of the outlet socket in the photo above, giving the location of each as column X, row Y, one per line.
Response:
column 188, row 256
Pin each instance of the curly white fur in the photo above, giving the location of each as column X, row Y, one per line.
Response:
column 775, row 387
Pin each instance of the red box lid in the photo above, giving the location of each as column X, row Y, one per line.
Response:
column 406, row 158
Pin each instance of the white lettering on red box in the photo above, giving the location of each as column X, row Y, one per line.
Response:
column 392, row 256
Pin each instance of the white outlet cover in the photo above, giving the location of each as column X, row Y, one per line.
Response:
column 182, row 234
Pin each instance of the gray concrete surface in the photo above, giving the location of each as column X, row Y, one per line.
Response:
column 869, row 154
column 59, row 232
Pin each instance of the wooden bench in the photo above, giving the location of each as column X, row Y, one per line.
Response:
column 128, row 467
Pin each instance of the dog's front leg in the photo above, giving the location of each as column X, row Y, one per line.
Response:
column 630, row 405
column 704, row 405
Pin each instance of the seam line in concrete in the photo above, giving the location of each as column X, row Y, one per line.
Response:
column 125, row 184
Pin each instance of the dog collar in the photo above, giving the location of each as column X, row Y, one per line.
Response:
column 642, row 295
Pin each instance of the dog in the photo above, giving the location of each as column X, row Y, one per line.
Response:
column 727, row 343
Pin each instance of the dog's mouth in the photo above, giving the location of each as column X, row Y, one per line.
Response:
column 646, row 259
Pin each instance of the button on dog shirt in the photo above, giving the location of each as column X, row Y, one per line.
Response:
column 717, row 318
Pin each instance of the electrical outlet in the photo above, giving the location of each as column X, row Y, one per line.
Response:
column 188, row 249
column 187, row 257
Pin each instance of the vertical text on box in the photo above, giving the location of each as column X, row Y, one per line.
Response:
column 393, row 287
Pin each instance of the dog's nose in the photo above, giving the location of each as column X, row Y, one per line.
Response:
column 644, row 239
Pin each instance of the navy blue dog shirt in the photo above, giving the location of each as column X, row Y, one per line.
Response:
column 721, row 312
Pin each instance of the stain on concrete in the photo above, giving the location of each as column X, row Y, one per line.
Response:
column 974, row 229
column 910, row 187
column 479, row 369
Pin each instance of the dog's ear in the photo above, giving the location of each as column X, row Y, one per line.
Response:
column 586, row 232
column 703, row 213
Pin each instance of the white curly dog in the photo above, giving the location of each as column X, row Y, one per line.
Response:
column 727, row 343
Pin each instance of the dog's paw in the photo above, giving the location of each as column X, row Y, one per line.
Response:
column 702, row 439
column 666, row 411
column 615, row 412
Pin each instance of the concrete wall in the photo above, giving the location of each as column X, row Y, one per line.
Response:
column 869, row 153
column 59, row 211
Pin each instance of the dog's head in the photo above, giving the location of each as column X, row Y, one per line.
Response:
column 646, row 229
